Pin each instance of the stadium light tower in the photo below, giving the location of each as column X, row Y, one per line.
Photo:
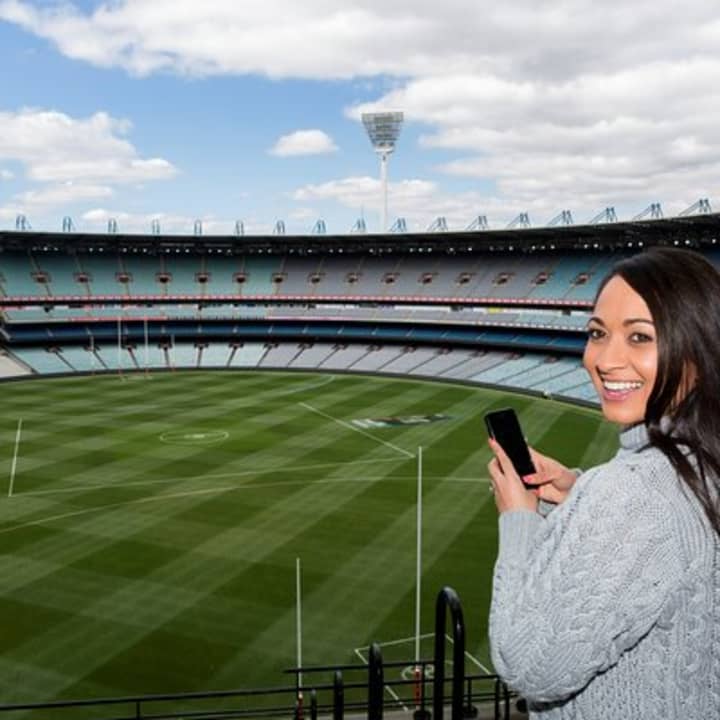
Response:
column 383, row 129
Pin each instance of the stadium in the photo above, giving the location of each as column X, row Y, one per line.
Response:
column 204, row 434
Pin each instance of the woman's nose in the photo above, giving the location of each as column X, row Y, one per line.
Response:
column 612, row 355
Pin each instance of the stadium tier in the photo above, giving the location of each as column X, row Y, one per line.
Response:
column 543, row 277
column 530, row 371
column 506, row 309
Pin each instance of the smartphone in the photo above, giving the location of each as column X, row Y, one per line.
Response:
column 504, row 427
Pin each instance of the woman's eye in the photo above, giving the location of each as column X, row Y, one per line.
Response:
column 640, row 338
column 595, row 333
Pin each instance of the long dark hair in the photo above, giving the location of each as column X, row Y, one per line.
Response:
column 682, row 291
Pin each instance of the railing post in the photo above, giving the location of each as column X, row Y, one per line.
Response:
column 313, row 704
column 469, row 711
column 338, row 696
column 375, row 683
column 448, row 599
column 506, row 696
column 421, row 712
column 138, row 714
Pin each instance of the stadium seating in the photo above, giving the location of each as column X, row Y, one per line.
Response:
column 498, row 276
column 485, row 344
column 80, row 359
column 215, row 355
column 103, row 274
column 16, row 276
column 312, row 357
column 11, row 367
column 247, row 355
column 181, row 273
column 529, row 372
column 260, row 272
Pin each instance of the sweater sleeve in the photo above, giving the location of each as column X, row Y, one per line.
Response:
column 545, row 507
column 574, row 590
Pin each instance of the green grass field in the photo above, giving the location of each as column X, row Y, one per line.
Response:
column 150, row 539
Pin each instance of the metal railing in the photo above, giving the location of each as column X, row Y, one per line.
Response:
column 367, row 694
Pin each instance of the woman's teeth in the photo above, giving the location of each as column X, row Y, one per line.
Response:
column 620, row 386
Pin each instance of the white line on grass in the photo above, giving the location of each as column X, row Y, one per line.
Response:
column 213, row 476
column 311, row 386
column 153, row 498
column 472, row 658
column 390, row 691
column 404, row 640
column 13, row 469
column 358, row 430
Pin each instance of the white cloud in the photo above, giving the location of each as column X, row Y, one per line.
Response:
column 418, row 201
column 634, row 136
column 564, row 103
column 128, row 222
column 304, row 142
column 55, row 147
column 361, row 38
column 303, row 214
column 6, row 174
column 61, row 195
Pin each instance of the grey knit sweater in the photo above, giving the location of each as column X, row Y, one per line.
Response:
column 609, row 607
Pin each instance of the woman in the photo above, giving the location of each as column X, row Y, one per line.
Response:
column 606, row 594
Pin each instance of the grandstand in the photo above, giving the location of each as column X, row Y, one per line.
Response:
column 425, row 305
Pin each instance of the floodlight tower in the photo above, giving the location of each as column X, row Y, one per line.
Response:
column 383, row 129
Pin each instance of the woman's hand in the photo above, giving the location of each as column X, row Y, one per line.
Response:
column 510, row 493
column 553, row 480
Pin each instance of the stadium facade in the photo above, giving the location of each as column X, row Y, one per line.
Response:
column 499, row 307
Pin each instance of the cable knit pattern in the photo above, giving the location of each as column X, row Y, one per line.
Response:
column 609, row 606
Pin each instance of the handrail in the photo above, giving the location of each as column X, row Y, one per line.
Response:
column 448, row 599
column 333, row 694
column 375, row 683
column 338, row 696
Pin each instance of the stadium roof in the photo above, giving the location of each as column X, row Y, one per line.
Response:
column 691, row 231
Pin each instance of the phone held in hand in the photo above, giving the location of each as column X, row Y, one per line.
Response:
column 504, row 427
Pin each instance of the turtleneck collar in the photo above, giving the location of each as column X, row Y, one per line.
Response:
column 634, row 437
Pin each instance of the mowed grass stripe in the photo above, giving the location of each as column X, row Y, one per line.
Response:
column 141, row 602
column 172, row 460
column 194, row 592
column 366, row 587
column 191, row 574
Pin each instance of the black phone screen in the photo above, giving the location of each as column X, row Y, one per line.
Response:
column 504, row 427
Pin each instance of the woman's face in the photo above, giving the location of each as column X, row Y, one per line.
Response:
column 621, row 354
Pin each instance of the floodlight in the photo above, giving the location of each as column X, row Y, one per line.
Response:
column 383, row 130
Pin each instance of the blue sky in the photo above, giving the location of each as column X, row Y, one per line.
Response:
column 180, row 110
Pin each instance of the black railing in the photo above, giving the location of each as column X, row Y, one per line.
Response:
column 335, row 697
column 448, row 600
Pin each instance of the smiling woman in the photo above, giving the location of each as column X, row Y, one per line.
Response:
column 605, row 601
column 621, row 353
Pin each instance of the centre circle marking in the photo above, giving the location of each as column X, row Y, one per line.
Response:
column 194, row 437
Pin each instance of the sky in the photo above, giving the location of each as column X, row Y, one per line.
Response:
column 239, row 111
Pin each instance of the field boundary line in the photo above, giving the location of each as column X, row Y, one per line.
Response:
column 470, row 657
column 16, row 450
column 87, row 511
column 387, row 688
column 404, row 640
column 309, row 386
column 212, row 476
column 358, row 430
